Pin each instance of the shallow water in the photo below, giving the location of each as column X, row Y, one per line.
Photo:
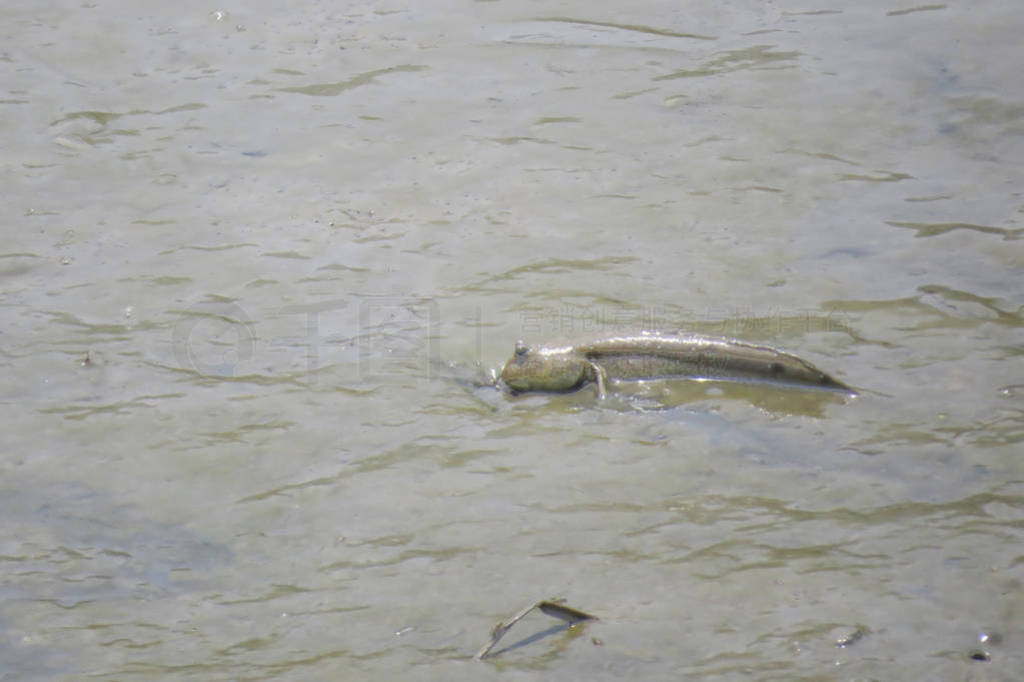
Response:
column 254, row 257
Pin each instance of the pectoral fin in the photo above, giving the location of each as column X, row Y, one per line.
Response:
column 600, row 378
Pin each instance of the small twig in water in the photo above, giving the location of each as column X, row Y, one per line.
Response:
column 552, row 607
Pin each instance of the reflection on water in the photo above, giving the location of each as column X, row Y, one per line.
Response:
column 712, row 396
column 259, row 266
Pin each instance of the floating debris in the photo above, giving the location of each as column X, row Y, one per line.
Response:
column 853, row 637
column 556, row 608
column 986, row 639
column 552, row 607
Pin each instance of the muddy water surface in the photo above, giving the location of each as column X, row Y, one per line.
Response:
column 256, row 261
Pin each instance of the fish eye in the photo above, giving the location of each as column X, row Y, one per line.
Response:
column 521, row 348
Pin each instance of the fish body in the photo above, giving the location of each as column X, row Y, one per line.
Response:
column 566, row 367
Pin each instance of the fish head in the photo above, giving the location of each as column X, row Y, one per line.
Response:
column 544, row 369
